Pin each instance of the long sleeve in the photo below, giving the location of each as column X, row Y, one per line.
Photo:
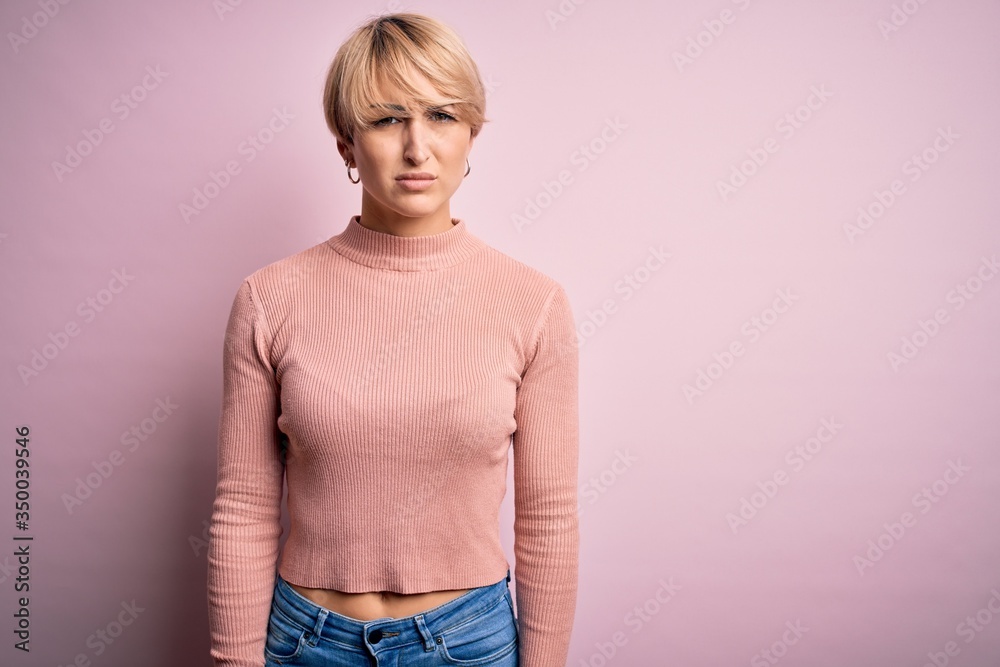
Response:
column 546, row 459
column 245, row 527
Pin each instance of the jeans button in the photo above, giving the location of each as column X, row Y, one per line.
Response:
column 375, row 636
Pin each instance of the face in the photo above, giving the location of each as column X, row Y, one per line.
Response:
column 430, row 142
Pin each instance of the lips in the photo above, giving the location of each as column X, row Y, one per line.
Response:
column 416, row 182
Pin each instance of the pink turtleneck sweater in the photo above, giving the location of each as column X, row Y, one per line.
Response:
column 400, row 369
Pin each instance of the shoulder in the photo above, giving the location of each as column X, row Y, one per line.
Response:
column 523, row 278
column 534, row 295
column 284, row 276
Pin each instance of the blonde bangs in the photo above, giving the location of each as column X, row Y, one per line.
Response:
column 389, row 49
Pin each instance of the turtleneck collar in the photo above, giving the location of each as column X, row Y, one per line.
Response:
column 381, row 250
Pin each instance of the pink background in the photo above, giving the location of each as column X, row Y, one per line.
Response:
column 670, row 572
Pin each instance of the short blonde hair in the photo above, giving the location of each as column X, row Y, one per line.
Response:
column 390, row 46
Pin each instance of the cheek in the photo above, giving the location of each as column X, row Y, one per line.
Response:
column 375, row 156
column 456, row 142
column 457, row 162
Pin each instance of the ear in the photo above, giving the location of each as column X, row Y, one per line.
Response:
column 344, row 149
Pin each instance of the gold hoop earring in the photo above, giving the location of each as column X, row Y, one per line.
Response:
column 468, row 165
column 348, row 163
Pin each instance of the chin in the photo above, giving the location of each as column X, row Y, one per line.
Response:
column 416, row 211
column 418, row 208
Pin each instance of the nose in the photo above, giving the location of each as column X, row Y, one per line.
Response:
column 416, row 140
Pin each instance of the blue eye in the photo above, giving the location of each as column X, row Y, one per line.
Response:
column 439, row 116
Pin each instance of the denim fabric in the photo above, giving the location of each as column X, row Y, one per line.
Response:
column 476, row 629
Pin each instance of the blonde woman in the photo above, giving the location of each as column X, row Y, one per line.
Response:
column 386, row 373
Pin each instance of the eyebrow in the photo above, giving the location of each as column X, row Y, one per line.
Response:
column 401, row 108
column 393, row 107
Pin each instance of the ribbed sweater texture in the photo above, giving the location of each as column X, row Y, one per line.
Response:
column 386, row 377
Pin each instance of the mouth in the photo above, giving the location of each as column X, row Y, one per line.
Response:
column 416, row 182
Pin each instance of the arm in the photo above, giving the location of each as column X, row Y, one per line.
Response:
column 246, row 516
column 546, row 453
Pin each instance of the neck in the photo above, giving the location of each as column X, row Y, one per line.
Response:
column 378, row 218
column 398, row 252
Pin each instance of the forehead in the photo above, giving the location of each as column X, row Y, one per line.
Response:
column 387, row 92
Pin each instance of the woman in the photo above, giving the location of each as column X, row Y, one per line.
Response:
column 386, row 372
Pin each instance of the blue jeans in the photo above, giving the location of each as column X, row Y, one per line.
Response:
column 476, row 629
